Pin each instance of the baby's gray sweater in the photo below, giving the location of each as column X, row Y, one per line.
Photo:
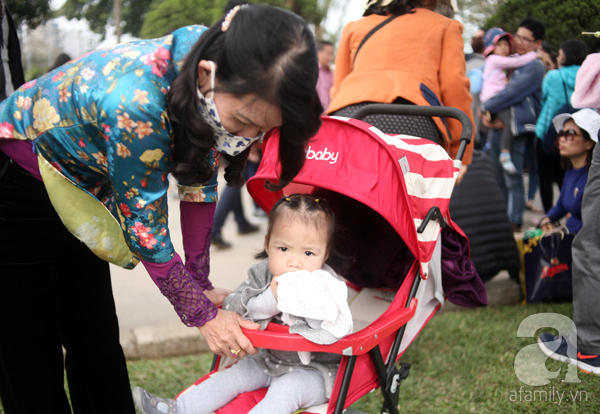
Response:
column 254, row 300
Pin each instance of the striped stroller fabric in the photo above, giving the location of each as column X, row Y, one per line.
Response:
column 429, row 176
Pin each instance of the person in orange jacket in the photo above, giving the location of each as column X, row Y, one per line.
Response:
column 416, row 58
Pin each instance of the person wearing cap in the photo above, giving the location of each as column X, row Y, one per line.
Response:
column 585, row 336
column 499, row 46
column 578, row 134
column 523, row 94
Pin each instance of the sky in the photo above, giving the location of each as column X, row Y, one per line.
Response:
column 78, row 33
column 334, row 22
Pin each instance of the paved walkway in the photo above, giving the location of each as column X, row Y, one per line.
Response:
column 150, row 328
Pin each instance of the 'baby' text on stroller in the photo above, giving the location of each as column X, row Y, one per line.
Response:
column 322, row 155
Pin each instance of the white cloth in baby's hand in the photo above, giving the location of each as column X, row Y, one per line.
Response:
column 315, row 295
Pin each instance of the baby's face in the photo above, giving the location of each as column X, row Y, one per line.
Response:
column 502, row 48
column 294, row 246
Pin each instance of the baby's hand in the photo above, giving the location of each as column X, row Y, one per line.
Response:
column 274, row 286
column 217, row 295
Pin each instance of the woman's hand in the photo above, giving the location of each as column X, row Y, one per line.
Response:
column 217, row 295
column 546, row 225
column 461, row 173
column 224, row 336
column 489, row 121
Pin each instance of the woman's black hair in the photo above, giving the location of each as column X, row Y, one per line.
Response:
column 60, row 60
column 566, row 163
column 575, row 51
column 547, row 47
column 268, row 52
column 397, row 7
column 307, row 209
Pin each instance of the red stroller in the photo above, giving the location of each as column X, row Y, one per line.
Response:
column 393, row 192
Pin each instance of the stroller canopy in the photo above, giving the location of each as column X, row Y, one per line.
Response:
column 400, row 177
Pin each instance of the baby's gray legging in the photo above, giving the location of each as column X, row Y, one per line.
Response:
column 287, row 393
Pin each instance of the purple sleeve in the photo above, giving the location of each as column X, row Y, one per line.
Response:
column 177, row 284
column 22, row 153
column 196, row 226
column 184, row 285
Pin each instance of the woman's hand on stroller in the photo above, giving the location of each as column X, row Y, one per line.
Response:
column 225, row 337
column 217, row 295
column 461, row 173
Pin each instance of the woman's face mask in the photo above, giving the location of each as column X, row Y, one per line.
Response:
column 225, row 141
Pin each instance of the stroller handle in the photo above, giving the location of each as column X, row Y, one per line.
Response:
column 278, row 337
column 431, row 111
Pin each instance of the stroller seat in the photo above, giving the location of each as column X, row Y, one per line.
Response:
column 391, row 194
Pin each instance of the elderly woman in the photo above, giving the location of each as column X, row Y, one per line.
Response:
column 85, row 154
column 414, row 57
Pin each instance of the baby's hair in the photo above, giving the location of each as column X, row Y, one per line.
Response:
column 310, row 211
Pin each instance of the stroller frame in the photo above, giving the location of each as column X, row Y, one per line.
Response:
column 388, row 374
column 390, row 377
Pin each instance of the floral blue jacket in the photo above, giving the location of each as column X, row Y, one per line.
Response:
column 101, row 132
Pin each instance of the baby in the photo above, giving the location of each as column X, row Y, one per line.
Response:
column 298, row 243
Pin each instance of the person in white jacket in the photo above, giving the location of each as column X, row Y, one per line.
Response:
column 582, row 347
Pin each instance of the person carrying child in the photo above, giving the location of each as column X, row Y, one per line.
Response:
column 499, row 61
column 294, row 285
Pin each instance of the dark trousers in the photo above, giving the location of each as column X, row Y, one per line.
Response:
column 54, row 293
column 507, row 136
column 231, row 201
column 550, row 172
column 586, row 265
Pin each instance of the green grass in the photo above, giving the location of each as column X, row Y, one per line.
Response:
column 168, row 376
column 462, row 362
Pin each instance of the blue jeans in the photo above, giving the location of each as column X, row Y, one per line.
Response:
column 531, row 162
column 512, row 185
